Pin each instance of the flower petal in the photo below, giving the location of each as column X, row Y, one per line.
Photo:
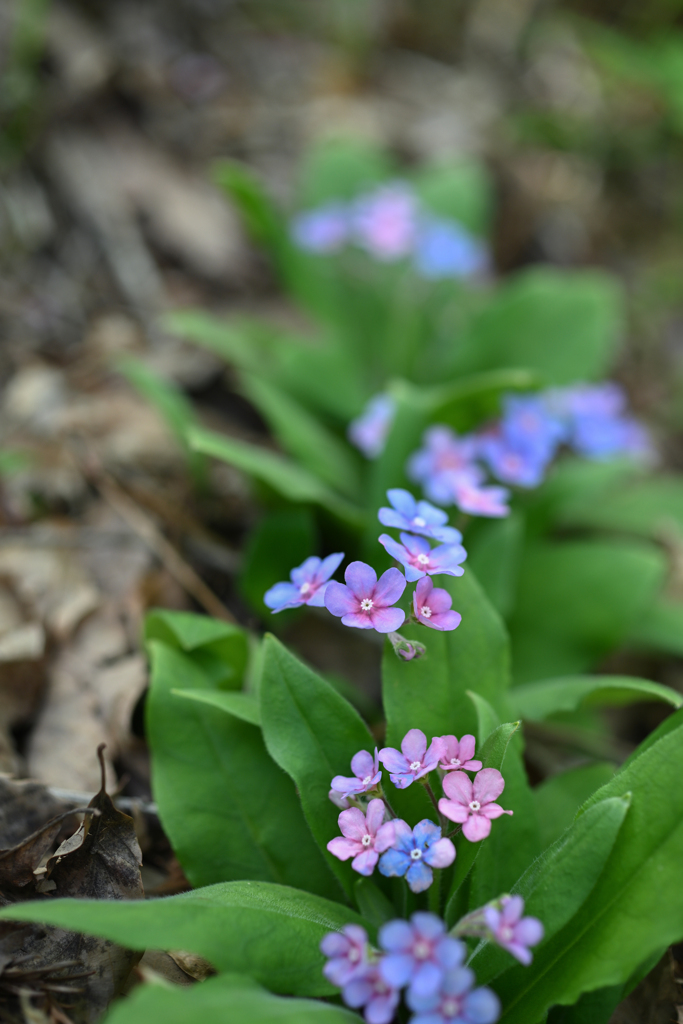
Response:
column 530, row 931
column 386, row 836
column 454, row 811
column 396, row 968
column 403, row 501
column 512, row 910
column 427, row 924
column 362, row 764
column 393, row 760
column 329, row 565
column 388, row 620
column 393, row 548
column 445, row 621
column 419, row 876
column 343, row 848
column 339, row 600
column 334, row 944
column 458, row 787
column 346, row 785
column 439, row 600
column 440, row 854
column 394, row 863
column 426, row 832
column 374, row 816
column 390, row 586
column 414, row 745
column 467, row 747
column 481, row 1006
column 358, row 620
column 365, row 862
column 476, row 827
column 281, row 596
column 488, row 785
column 389, row 517
column 492, row 811
column 306, row 572
column 432, row 515
column 361, row 579
column 519, row 952
column 415, row 545
column 352, row 824
column 423, row 592
column 381, row 1009
column 395, row 937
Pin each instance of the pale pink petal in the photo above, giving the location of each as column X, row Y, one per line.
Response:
column 387, row 620
column 352, row 824
column 414, row 745
column 519, row 952
column 446, row 621
column 439, row 600
column 385, row 837
column 343, row 848
column 359, row 620
column 458, row 787
column 393, row 760
column 390, row 586
column 374, row 816
column 339, row 600
column 441, row 853
column 467, row 745
column 492, row 811
column 449, row 748
column 488, row 785
column 435, row 751
column 422, row 591
column 361, row 579
column 529, row 931
column 362, row 764
column 473, row 765
column 455, row 811
column 513, row 908
column 476, row 828
column 365, row 862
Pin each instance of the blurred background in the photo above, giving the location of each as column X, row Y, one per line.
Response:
column 111, row 118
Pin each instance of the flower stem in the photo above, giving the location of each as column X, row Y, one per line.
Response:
column 432, row 797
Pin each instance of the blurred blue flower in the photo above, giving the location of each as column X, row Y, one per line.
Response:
column 368, row 432
column 308, row 586
column 417, row 517
column 444, row 248
column 323, row 230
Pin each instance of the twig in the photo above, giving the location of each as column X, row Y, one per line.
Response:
column 125, row 803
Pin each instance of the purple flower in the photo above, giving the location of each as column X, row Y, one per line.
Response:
column 415, row 852
column 366, row 775
column 371, row 991
column 419, row 953
column 420, row 560
column 530, row 426
column 347, row 951
column 322, row 230
column 443, row 460
column 365, row 602
column 480, row 501
column 512, row 465
column 598, row 426
column 384, row 222
column 417, row 517
column 455, row 1002
column 406, row 649
column 364, row 837
column 471, row 804
column 308, row 586
column 432, row 606
column 368, row 432
column 445, row 248
column 414, row 761
column 458, row 754
column 510, row 930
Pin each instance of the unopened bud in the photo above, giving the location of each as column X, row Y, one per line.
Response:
column 406, row 649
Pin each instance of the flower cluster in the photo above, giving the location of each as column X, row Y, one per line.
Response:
column 390, row 224
column 518, row 448
column 373, row 836
column 425, row 961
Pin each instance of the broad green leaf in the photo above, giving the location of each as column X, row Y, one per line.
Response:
column 220, row 999
column 270, row 932
column 564, row 325
column 647, row 507
column 465, row 402
column 304, row 437
column 494, row 549
column 488, row 721
column 220, row 648
column 334, row 170
column 228, row 810
column 460, row 190
column 311, row 732
column 282, row 539
column 670, row 724
column 169, row 401
column 557, row 885
column 372, row 903
column 640, row 883
column 660, row 628
column 286, row 477
column 558, row 798
column 592, row 1008
column 537, row 701
column 244, row 706
column 577, row 600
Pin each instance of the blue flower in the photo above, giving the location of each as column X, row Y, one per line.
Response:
column 598, row 426
column 512, row 465
column 420, row 560
column 323, row 230
column 309, row 582
column 368, row 432
column 455, row 1002
column 415, row 852
column 444, row 248
column 417, row 517
column 418, row 953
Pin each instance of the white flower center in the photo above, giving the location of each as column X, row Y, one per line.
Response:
column 422, row 950
column 415, row 766
column 506, row 933
column 423, row 559
column 450, row 1008
column 415, row 854
column 475, row 805
column 366, row 840
column 366, row 604
column 419, row 521
column 426, row 611
column 367, row 780
column 455, row 762
column 354, row 955
column 304, row 588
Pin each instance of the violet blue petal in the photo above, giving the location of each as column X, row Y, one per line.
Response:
column 361, row 579
column 419, row 876
column 339, row 600
column 387, row 620
column 390, row 586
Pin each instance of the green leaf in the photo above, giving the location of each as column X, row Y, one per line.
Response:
column 311, row 732
column 462, row 191
column 226, row 807
column 577, row 600
column 488, row 721
column 334, row 170
column 537, row 701
column 220, row 648
column 592, row 1008
column 494, row 549
column 556, row 886
column 270, row 932
column 220, row 999
column 244, row 706
column 564, row 325
column 304, row 437
column 231, row 340
column 465, row 402
column 372, row 903
column 640, row 883
column 647, row 507
column 282, row 539
column 660, row 628
column 263, row 221
column 558, row 798
column 286, row 477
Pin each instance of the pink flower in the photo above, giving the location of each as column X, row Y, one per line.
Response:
column 366, row 775
column 471, row 804
column 415, row 761
column 348, row 954
column 458, row 755
column 385, row 221
column 510, row 930
column 432, row 606
column 365, row 837
column 480, row 501
column 365, row 602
